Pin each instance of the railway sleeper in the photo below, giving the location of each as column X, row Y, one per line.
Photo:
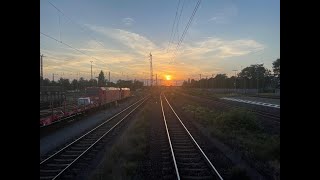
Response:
column 73, row 151
column 197, row 177
column 188, row 159
column 186, row 154
column 57, row 165
column 192, row 164
column 194, row 171
column 169, row 176
column 69, row 155
column 47, row 177
column 181, row 150
column 186, row 143
column 79, row 148
column 167, row 170
column 177, row 146
column 50, row 170
column 63, row 160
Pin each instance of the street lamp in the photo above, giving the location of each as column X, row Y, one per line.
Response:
column 91, row 69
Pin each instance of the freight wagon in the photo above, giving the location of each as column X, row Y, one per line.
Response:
column 94, row 97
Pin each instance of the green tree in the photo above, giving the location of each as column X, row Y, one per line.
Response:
column 101, row 79
column 46, row 82
column 111, row 84
column 82, row 83
column 75, row 84
column 137, row 84
column 255, row 76
column 220, row 80
column 276, row 69
column 124, row 83
column 93, row 82
column 65, row 83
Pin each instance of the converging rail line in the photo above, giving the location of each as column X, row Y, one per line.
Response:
column 63, row 163
column 190, row 162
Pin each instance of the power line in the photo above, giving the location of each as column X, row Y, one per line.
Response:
column 50, row 57
column 83, row 29
column 177, row 26
column 70, row 46
column 174, row 22
column 187, row 27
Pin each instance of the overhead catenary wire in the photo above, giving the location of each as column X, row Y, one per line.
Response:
column 186, row 29
column 173, row 25
column 77, row 49
column 83, row 29
column 69, row 46
column 177, row 26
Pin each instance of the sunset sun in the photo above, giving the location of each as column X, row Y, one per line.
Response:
column 168, row 77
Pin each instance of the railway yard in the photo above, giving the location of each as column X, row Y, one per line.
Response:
column 164, row 133
column 190, row 94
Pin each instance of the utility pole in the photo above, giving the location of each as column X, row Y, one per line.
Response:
column 109, row 76
column 200, row 81
column 156, row 79
column 53, row 77
column 151, row 70
column 41, row 66
column 91, row 69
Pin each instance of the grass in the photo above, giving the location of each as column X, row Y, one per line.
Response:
column 126, row 154
column 206, row 93
column 239, row 129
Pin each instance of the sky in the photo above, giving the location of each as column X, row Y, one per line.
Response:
column 118, row 36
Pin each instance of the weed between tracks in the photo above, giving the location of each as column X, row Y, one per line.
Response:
column 126, row 154
column 240, row 130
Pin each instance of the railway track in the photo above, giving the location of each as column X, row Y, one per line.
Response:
column 74, row 157
column 261, row 113
column 188, row 159
column 265, row 96
column 275, row 118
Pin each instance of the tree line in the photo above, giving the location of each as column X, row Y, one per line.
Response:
column 82, row 83
column 255, row 76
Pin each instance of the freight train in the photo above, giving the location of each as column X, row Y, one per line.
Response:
column 51, row 96
column 94, row 98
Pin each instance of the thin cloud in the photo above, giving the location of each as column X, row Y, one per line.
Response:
column 134, row 48
column 128, row 21
column 219, row 48
column 225, row 15
column 134, row 41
